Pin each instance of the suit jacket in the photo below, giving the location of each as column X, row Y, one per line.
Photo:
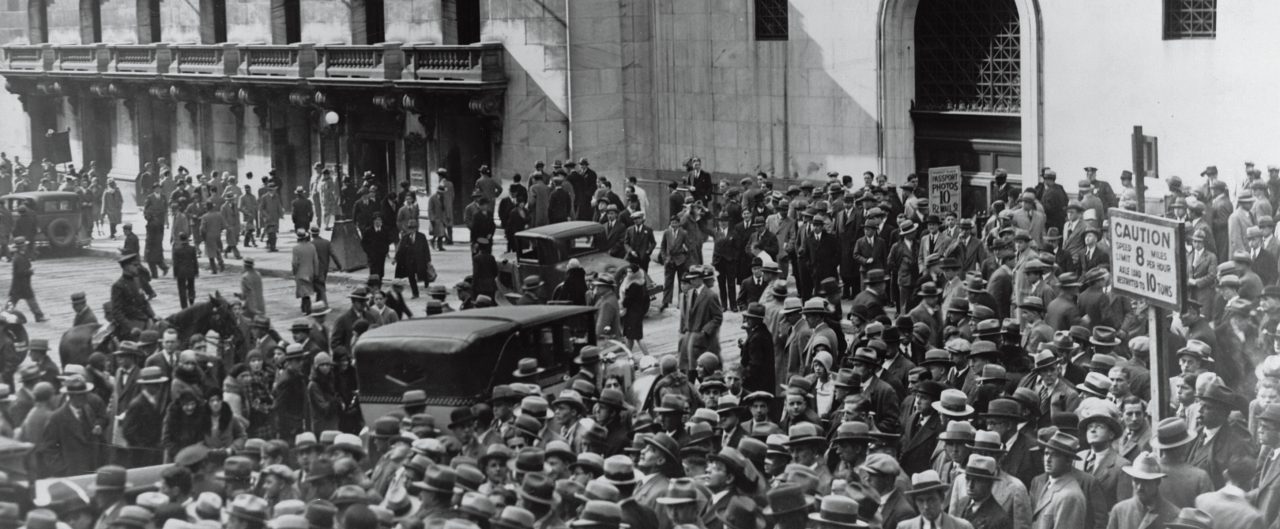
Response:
column 920, row 314
column 1061, row 504
column 1183, row 482
column 869, row 254
column 1033, row 221
column 1023, row 460
column 919, row 440
column 946, row 521
column 611, row 241
column 139, row 427
column 1215, row 455
column 1130, row 446
column 1130, row 514
column 705, row 317
column 868, row 305
column 1062, row 312
column 884, row 402
column 902, row 260
column 896, row 509
column 1230, row 509
column 1073, row 241
column 185, row 262
column 988, row 515
column 929, row 245
column 824, row 256
column 640, row 242
column 69, row 446
column 675, row 247
column 1264, row 264
column 1238, row 224
column 970, row 255
column 1000, row 286
column 1115, row 485
column 1086, row 261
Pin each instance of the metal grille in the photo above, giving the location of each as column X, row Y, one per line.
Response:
column 1190, row 19
column 968, row 56
column 771, row 19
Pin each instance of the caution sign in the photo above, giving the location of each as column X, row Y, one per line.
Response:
column 944, row 190
column 1147, row 258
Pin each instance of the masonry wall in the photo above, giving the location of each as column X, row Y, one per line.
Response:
column 1209, row 101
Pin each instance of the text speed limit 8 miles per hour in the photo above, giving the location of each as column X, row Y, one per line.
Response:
column 1147, row 257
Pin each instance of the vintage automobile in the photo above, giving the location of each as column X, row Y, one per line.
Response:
column 58, row 217
column 545, row 252
column 458, row 357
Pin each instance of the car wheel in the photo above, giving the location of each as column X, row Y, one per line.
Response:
column 61, row 233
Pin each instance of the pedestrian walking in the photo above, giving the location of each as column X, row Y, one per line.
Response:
column 153, row 211
column 435, row 215
column 323, row 257
column 20, row 288
column 186, row 267
column 301, row 210
column 305, row 268
column 211, row 225
column 232, row 227
column 113, row 206
column 413, row 258
column 248, row 205
column 269, row 213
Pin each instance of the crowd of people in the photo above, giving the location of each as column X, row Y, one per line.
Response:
column 901, row 366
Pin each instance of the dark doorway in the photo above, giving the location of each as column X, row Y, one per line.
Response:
column 368, row 22
column 90, row 21
column 286, row 22
column 468, row 17
column 968, row 100
column 155, row 131
column 38, row 22
column 97, row 122
column 213, row 21
column 377, row 156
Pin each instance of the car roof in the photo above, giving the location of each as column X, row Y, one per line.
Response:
column 39, row 195
column 563, row 230
column 452, row 332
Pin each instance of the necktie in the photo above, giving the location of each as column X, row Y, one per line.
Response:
column 1044, row 392
column 1089, row 460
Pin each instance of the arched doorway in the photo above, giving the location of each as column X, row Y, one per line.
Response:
column 960, row 85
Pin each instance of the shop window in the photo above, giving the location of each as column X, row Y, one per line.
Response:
column 1190, row 19
column 771, row 19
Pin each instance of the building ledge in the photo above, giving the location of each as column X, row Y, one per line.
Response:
column 387, row 64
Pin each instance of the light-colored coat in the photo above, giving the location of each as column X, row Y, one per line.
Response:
column 306, row 266
column 1058, row 505
column 703, row 324
column 1230, row 509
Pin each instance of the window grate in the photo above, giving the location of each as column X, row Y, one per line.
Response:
column 968, row 56
column 1190, row 19
column 771, row 19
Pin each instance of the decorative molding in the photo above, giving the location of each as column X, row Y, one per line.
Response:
column 488, row 105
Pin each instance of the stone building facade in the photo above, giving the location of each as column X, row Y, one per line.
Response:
column 792, row 88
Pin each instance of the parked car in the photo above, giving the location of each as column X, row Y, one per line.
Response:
column 58, row 217
column 545, row 251
column 458, row 357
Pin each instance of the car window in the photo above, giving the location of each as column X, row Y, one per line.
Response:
column 581, row 245
column 53, row 206
column 527, row 250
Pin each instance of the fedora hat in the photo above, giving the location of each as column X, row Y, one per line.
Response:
column 958, row 431
column 671, row 403
column 1095, row 384
column 679, row 492
column 1104, row 336
column 953, row 403
column 439, row 479
column 926, row 482
column 1219, row 393
column 535, row 407
column 529, row 459
column 528, row 367
column 786, row 498
column 1004, row 409
column 1098, row 409
column 852, row 431
column 571, row 398
column 666, row 444
column 936, row 356
column 76, row 385
column 152, row 375
column 986, row 441
column 1032, row 303
column 599, row 514
column 803, row 433
column 249, row 508
column 1045, row 360
column 929, row 289
column 1063, row 443
column 875, row 275
column 840, row 511
column 620, row 471
column 993, row 373
column 982, row 467
column 1191, row 518
column 1145, row 467
column 513, row 517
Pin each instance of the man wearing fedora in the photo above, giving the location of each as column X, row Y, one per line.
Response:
column 1057, row 497
column 903, row 258
column 1182, row 482
column 869, row 303
column 305, row 267
column 882, row 474
column 143, row 412
column 1146, row 507
column 1230, row 506
column 983, row 511
column 69, row 446
column 928, row 494
column 1218, row 440
column 730, row 476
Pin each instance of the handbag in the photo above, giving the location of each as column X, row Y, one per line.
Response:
column 431, row 273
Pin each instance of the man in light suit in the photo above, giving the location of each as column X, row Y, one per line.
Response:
column 1238, row 223
column 931, row 242
column 1073, row 229
column 928, row 493
column 1146, row 508
column 1202, row 266
column 1230, row 505
column 1100, row 428
column 1058, row 500
column 928, row 311
column 969, row 251
column 1029, row 218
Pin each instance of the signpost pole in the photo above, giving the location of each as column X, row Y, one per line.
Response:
column 1139, row 167
column 1158, row 408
